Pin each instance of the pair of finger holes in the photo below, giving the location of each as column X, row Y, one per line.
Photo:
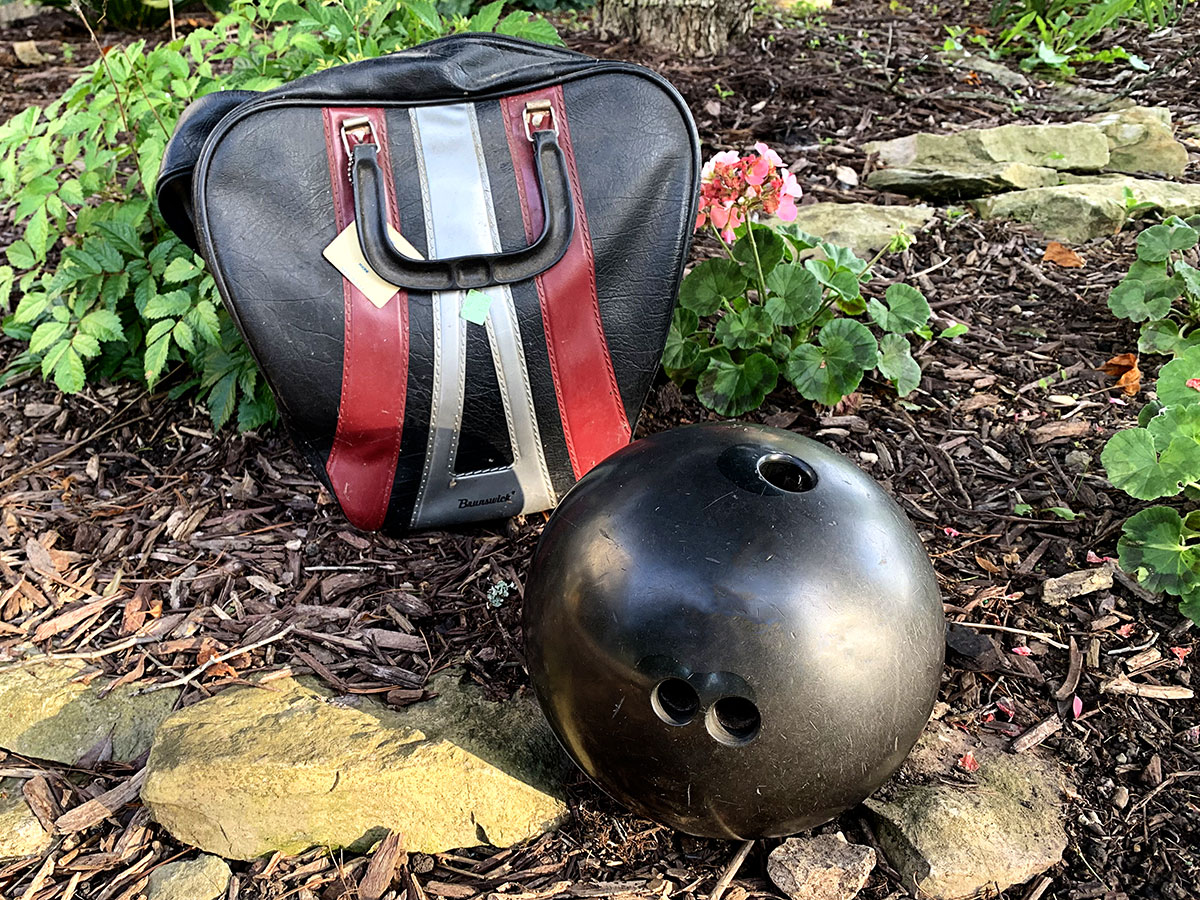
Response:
column 730, row 720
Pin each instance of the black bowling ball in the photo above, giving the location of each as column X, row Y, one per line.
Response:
column 733, row 630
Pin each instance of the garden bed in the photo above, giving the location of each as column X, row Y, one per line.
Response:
column 1014, row 412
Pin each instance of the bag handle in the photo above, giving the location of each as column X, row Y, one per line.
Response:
column 464, row 272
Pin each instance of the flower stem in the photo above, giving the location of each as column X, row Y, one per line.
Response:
column 717, row 233
column 762, row 282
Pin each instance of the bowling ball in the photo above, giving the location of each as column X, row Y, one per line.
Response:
column 733, row 630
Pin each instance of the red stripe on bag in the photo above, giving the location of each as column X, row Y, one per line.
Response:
column 362, row 463
column 589, row 402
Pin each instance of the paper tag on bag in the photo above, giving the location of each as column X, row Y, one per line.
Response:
column 346, row 256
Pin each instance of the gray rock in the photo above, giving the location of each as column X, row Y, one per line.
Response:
column 48, row 712
column 956, row 184
column 1081, row 147
column 863, row 227
column 1086, row 208
column 291, row 765
column 998, row 72
column 823, row 867
column 1141, row 140
column 951, row 840
column 11, row 13
column 21, row 834
column 203, row 878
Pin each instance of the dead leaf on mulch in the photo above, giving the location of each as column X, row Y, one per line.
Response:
column 1062, row 256
column 1124, row 368
column 1063, row 428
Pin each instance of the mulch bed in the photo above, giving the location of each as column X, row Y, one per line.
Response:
column 223, row 542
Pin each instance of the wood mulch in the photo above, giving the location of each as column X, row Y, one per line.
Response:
column 135, row 539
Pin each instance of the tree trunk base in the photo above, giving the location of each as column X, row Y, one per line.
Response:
column 686, row 27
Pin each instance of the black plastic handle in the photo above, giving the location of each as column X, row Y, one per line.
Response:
column 464, row 272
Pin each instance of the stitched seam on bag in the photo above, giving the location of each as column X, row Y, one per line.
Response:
column 586, row 239
column 511, row 115
column 431, row 250
column 399, row 299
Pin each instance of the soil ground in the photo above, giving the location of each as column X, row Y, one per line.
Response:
column 1014, row 412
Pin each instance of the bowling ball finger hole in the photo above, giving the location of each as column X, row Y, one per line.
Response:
column 733, row 721
column 675, row 701
column 787, row 473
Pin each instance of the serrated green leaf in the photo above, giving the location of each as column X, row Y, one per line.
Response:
column 173, row 303
column 45, row 335
column 746, row 329
column 1152, row 547
column 795, row 295
column 732, row 389
column 21, row 255
column 32, row 305
column 1022, row 509
column 221, row 399
column 897, row 364
column 532, row 28
column 68, row 372
column 123, row 236
column 685, row 321
column 827, row 373
column 182, row 335
column 204, row 321
column 956, row 330
column 1132, row 464
column 486, row 18
column 108, row 256
column 37, row 233
column 179, row 269
column 52, row 357
column 155, row 357
column 709, row 283
column 841, row 281
column 906, row 308
column 85, row 345
column 6, row 283
column 1172, row 385
column 103, row 324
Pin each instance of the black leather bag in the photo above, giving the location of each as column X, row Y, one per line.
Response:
column 532, row 208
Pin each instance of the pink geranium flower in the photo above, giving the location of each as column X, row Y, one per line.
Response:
column 733, row 188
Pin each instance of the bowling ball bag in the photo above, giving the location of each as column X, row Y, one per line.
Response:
column 455, row 265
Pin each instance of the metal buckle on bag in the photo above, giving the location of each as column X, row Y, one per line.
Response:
column 360, row 127
column 537, row 112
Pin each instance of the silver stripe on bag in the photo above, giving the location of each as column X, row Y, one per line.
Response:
column 460, row 219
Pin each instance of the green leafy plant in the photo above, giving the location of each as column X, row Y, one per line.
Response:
column 105, row 291
column 1160, row 458
column 1059, row 33
column 1161, row 289
column 767, row 311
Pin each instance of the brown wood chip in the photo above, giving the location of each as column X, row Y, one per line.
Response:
column 1035, row 735
column 42, row 801
column 99, row 809
column 1074, row 670
column 441, row 889
column 382, row 868
column 1064, row 428
column 1122, row 685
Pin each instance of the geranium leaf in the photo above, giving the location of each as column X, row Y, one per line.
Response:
column 795, row 295
column 1173, row 386
column 709, row 283
column 906, row 308
column 770, row 248
column 746, row 329
column 897, row 364
column 1152, row 547
column 1132, row 464
column 732, row 389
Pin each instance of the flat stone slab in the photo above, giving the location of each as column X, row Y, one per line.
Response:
column 1086, row 208
column 979, row 161
column 290, row 765
column 820, row 867
column 203, row 878
column 863, row 227
column 51, row 710
column 951, row 840
column 21, row 834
